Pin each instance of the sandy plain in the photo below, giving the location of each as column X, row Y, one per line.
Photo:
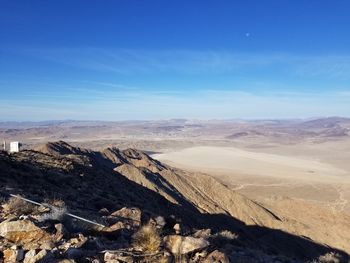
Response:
column 310, row 172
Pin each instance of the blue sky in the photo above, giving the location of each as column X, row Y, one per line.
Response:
column 117, row 60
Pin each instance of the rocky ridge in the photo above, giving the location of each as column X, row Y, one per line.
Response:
column 150, row 213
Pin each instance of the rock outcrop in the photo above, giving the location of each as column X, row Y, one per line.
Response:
column 26, row 234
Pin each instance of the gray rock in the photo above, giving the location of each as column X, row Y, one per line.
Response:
column 179, row 245
column 131, row 216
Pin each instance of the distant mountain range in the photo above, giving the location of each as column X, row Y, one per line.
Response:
column 282, row 131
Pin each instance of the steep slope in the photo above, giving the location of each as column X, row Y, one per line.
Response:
column 204, row 192
column 174, row 185
column 89, row 181
column 210, row 196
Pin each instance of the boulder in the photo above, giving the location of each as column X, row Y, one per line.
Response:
column 26, row 234
column 179, row 245
column 131, row 216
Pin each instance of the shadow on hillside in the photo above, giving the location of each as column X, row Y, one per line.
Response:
column 164, row 185
column 86, row 193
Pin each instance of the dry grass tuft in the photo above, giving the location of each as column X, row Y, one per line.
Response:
column 17, row 206
column 329, row 258
column 57, row 212
column 55, row 202
column 227, row 234
column 147, row 239
column 222, row 238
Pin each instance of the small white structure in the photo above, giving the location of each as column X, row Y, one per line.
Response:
column 15, row 147
column 4, row 145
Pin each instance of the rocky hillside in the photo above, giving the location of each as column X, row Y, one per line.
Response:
column 147, row 212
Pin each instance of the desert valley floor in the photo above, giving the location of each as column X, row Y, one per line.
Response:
column 269, row 173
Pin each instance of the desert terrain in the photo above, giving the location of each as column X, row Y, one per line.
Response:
column 126, row 194
column 264, row 159
column 269, row 173
column 265, row 179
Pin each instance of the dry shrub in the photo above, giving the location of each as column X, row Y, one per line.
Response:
column 55, row 202
column 227, row 234
column 17, row 206
column 57, row 212
column 329, row 258
column 222, row 238
column 147, row 239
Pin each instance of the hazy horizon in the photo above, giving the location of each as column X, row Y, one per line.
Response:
column 176, row 119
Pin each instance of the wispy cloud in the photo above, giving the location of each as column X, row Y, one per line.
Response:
column 129, row 61
column 204, row 104
column 270, row 92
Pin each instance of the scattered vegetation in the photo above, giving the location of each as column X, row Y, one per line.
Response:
column 17, row 206
column 147, row 239
column 57, row 212
column 221, row 238
column 227, row 235
column 329, row 258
